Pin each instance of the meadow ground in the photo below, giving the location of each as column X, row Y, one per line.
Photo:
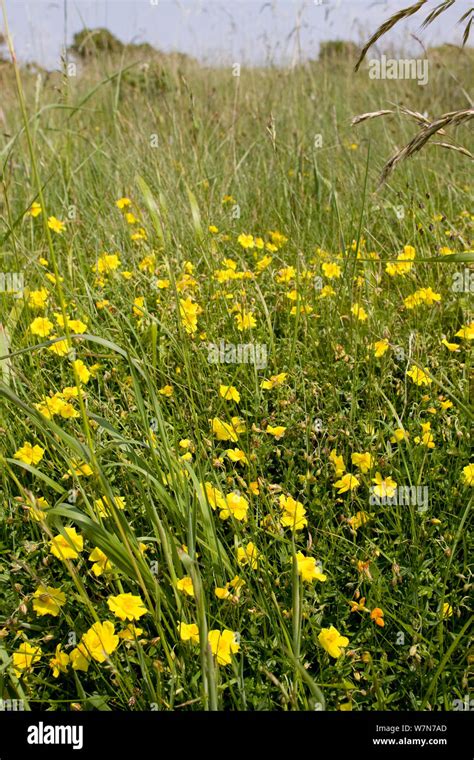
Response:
column 187, row 522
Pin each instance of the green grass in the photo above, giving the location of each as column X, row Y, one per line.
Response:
column 87, row 141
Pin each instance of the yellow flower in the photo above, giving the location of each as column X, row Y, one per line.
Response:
column 80, row 658
column 48, row 600
column 405, row 258
column 245, row 320
column 101, row 640
column 327, row 291
column 215, row 497
column 380, row 347
column 126, row 606
column 167, row 390
column 468, row 474
column 189, row 632
column 29, row 454
column 235, row 506
column 308, row 569
column 237, row 455
column 80, row 468
column 223, row 645
column 189, row 312
column 427, row 438
column 285, row 275
column 229, row 393
column 450, row 346
column 55, row 225
column 37, row 298
column 347, row 483
column 277, row 238
column 263, row 263
column 466, row 332
column 363, row 461
column 429, row 296
column 302, row 308
column 399, row 435
column 60, row 348
column 331, row 271
column 107, row 262
column 68, row 546
column 223, row 431
column 246, row 241
column 294, row 514
column 59, row 662
column 332, row 641
column 420, row 376
column 50, row 406
column 360, row 605
column 377, row 616
column 140, row 234
column 41, row 326
column 25, row 657
column 447, row 610
column 359, row 312
column 104, row 507
column 384, row 486
column 238, row 424
column 82, row 370
column 359, row 519
column 52, row 278
column 34, row 210
column 446, row 404
column 67, row 411
column 147, row 264
column 101, row 562
column 36, row 506
column 77, row 326
column 123, row 202
column 186, row 585
column 248, row 555
column 130, row 633
column 137, row 306
column 337, row 462
column 278, row 431
column 231, row 590
column 274, row 382
column 422, row 296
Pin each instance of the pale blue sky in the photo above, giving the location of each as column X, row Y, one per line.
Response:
column 219, row 31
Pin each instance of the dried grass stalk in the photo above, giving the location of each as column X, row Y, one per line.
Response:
column 458, row 148
column 468, row 16
column 365, row 116
column 452, row 119
column 387, row 25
